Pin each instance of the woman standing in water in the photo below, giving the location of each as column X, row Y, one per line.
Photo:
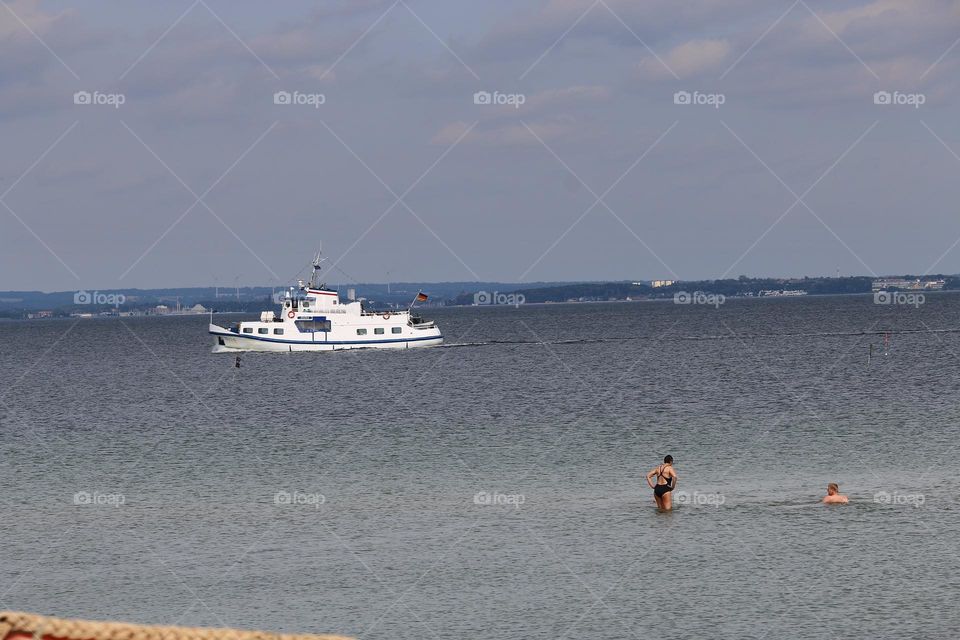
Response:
column 666, row 482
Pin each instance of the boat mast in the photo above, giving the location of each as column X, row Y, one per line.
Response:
column 315, row 282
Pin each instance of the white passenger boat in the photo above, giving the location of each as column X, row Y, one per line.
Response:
column 313, row 318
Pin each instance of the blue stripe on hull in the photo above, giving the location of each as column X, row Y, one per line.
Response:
column 278, row 341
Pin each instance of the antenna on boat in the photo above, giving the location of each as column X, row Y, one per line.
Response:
column 315, row 276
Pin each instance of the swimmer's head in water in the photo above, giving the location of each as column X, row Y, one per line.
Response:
column 832, row 488
column 668, row 459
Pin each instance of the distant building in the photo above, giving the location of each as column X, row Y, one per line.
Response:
column 882, row 284
column 656, row 284
column 161, row 309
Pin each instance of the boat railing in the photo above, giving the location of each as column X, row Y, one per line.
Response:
column 392, row 312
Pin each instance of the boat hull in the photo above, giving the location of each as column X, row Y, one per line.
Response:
column 226, row 341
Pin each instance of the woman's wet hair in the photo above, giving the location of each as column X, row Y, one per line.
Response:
column 667, row 459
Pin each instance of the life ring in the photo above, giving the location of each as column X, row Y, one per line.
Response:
column 292, row 315
column 386, row 316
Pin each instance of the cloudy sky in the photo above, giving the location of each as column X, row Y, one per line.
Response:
column 193, row 142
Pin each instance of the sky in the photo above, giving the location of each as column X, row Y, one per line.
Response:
column 203, row 142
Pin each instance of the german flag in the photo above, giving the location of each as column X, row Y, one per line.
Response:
column 422, row 297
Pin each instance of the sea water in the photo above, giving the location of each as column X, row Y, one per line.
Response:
column 494, row 487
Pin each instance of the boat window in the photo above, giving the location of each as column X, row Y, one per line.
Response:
column 378, row 331
column 361, row 332
column 278, row 332
column 263, row 330
column 396, row 329
column 248, row 330
column 313, row 326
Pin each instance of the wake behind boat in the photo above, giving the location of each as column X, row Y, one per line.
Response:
column 312, row 318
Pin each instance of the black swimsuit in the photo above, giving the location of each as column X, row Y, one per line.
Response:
column 661, row 489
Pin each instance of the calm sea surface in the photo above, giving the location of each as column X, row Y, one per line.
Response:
column 143, row 478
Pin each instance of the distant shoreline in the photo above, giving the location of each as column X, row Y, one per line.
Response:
column 661, row 300
column 200, row 300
